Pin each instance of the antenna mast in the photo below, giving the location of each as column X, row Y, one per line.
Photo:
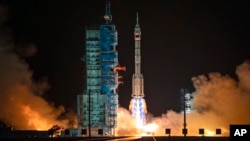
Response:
column 107, row 16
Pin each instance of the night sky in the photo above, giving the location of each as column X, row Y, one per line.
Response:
column 180, row 39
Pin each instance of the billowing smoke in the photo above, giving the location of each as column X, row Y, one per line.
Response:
column 219, row 101
column 21, row 104
column 126, row 125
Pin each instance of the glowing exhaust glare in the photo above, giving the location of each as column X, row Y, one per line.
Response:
column 150, row 128
column 34, row 119
column 138, row 111
column 209, row 133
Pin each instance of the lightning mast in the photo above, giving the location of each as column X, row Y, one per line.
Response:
column 107, row 16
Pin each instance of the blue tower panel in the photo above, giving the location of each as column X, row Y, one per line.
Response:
column 109, row 60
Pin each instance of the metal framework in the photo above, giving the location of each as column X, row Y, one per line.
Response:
column 97, row 106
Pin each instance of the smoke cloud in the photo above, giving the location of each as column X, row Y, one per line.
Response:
column 224, row 97
column 21, row 104
column 219, row 100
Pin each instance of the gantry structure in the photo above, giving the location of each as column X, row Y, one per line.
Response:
column 97, row 106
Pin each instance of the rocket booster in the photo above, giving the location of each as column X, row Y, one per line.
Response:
column 137, row 82
column 137, row 104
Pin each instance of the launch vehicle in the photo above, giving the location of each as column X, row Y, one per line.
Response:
column 137, row 105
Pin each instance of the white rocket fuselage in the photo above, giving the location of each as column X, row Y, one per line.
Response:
column 137, row 82
column 137, row 104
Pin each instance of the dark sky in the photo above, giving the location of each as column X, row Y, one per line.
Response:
column 180, row 39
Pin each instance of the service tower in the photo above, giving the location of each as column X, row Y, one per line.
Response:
column 97, row 106
column 137, row 105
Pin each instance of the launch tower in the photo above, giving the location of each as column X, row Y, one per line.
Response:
column 97, row 106
column 137, row 105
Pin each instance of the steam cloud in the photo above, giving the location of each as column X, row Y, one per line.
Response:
column 21, row 104
column 219, row 101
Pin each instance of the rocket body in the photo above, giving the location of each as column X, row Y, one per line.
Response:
column 137, row 105
column 137, row 82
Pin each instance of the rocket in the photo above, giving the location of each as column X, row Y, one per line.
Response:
column 137, row 104
column 137, row 82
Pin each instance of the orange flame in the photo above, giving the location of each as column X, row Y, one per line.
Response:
column 34, row 119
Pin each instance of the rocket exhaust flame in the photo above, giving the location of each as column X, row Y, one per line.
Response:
column 138, row 111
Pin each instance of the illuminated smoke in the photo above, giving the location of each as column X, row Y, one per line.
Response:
column 21, row 104
column 222, row 98
column 126, row 125
column 219, row 101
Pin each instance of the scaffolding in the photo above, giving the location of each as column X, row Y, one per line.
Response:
column 91, row 104
column 97, row 106
column 109, row 61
